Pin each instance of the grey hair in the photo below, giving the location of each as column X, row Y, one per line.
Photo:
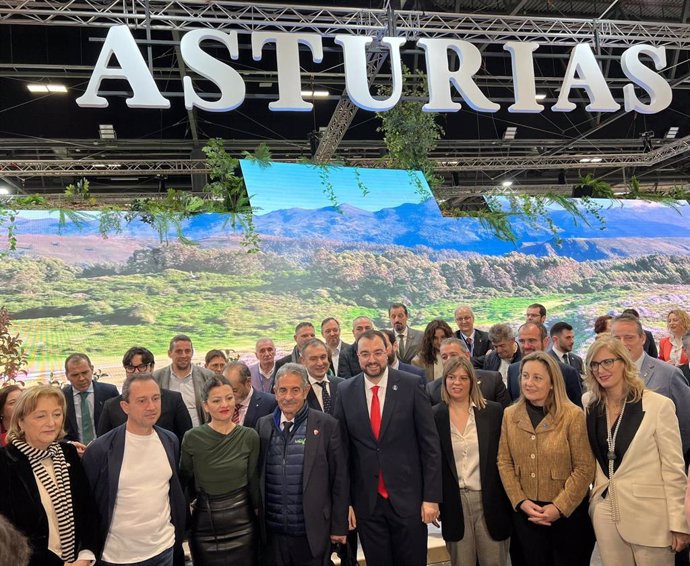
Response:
column 500, row 333
column 453, row 340
column 292, row 369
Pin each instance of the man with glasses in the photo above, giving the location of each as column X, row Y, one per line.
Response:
column 477, row 341
column 174, row 415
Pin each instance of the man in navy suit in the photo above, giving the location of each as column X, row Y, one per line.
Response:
column 659, row 376
column 324, row 387
column 395, row 457
column 562, row 342
column 532, row 337
column 477, row 341
column 250, row 404
column 85, row 398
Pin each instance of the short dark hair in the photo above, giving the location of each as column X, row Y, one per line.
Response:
column 632, row 312
column 215, row 354
column 559, row 327
column 542, row 308
column 629, row 318
column 131, row 378
column 370, row 334
column 243, row 371
column 398, row 306
column 146, row 356
column 314, row 342
column 76, row 357
column 328, row 319
column 211, row 383
column 542, row 329
column 391, row 335
column 302, row 325
column 179, row 338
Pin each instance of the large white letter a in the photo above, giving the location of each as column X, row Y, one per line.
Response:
column 119, row 42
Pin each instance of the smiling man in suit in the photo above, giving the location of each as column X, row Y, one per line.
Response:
column 490, row 382
column 477, row 341
column 302, row 459
column 324, row 387
column 250, row 404
column 409, row 339
column 174, row 416
column 85, row 398
column 330, row 330
column 562, row 342
column 657, row 375
column 395, row 457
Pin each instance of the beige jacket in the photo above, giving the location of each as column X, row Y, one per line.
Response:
column 650, row 482
column 553, row 463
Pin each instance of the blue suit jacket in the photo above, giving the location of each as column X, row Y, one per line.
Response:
column 102, row 463
column 573, row 383
column 262, row 404
column 101, row 393
column 667, row 380
column 407, row 450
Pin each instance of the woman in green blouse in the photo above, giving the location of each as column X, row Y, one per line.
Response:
column 219, row 459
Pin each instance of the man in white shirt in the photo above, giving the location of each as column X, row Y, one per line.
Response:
column 324, row 388
column 132, row 472
column 330, row 330
column 505, row 350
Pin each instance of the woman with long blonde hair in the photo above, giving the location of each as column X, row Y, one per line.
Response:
column 671, row 347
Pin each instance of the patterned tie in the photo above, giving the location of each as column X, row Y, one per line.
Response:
column 325, row 396
column 236, row 413
column 565, row 359
column 86, row 422
column 469, row 345
column 376, row 429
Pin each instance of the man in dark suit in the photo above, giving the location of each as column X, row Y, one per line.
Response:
column 562, row 342
column 330, row 330
column 409, row 339
column 659, row 376
column 324, row 387
column 477, row 341
column 649, row 342
column 395, row 483
column 85, row 398
column 302, row 458
column 304, row 332
column 350, row 361
column 532, row 337
column 174, row 416
column 250, row 404
column 505, row 350
column 490, row 382
column 185, row 377
column 685, row 368
column 132, row 472
column 394, row 362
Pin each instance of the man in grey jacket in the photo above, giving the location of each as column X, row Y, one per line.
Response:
column 184, row 377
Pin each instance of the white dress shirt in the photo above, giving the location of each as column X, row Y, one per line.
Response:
column 318, row 390
column 383, row 384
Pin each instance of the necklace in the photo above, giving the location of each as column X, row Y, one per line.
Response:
column 611, row 438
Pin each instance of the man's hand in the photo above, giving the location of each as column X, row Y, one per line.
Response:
column 430, row 512
column 351, row 519
column 335, row 539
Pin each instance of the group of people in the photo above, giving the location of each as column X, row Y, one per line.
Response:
column 515, row 444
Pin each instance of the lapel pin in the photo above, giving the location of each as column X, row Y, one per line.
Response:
column 316, row 432
column 395, row 388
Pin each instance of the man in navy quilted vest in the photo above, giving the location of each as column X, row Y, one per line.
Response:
column 304, row 477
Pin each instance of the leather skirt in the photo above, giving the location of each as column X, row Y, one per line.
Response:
column 223, row 530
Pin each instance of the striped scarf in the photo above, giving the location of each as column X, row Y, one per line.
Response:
column 59, row 491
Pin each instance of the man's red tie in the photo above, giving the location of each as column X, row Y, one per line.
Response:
column 376, row 429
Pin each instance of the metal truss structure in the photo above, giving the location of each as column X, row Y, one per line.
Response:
column 247, row 17
column 111, row 168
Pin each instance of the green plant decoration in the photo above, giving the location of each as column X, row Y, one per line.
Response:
column 13, row 356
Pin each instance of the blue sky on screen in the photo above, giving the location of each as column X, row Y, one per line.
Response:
column 283, row 186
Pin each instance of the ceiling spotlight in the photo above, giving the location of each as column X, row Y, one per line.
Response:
column 510, row 132
column 672, row 132
column 4, row 191
column 265, row 85
column 37, row 88
column 57, row 88
column 540, row 96
column 315, row 93
column 107, row 132
column 507, row 184
column 596, row 160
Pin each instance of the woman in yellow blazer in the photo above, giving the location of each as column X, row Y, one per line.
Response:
column 636, row 503
column 546, row 466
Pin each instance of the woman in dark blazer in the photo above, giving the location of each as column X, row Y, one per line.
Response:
column 475, row 513
column 43, row 489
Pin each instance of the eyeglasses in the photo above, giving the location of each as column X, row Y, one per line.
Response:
column 141, row 368
column 606, row 364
